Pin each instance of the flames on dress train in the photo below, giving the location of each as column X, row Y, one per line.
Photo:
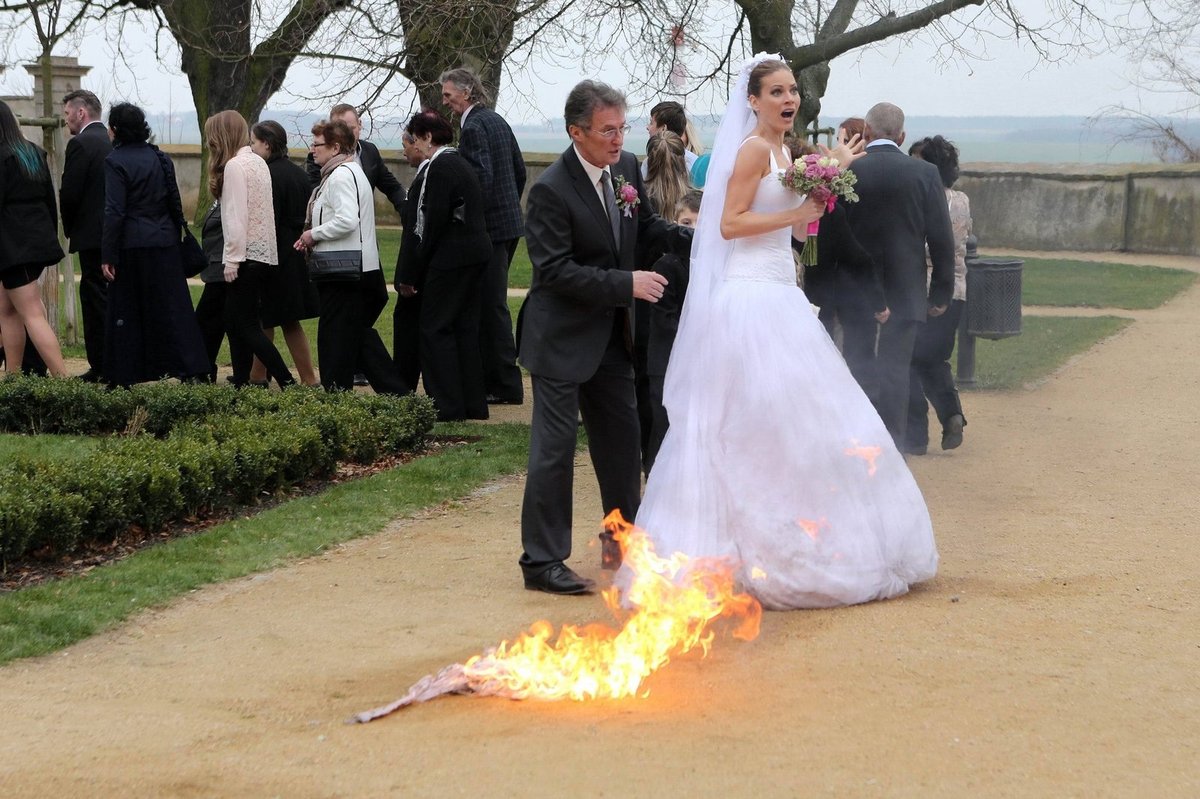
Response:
column 868, row 454
column 675, row 602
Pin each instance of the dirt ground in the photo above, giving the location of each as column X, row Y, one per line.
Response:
column 1054, row 655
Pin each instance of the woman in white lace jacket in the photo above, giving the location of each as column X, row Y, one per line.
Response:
column 241, row 182
column 341, row 216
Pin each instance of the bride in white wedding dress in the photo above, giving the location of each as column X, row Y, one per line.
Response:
column 774, row 459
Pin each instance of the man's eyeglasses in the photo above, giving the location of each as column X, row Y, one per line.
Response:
column 611, row 133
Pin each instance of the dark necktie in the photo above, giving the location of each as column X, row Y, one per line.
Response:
column 610, row 205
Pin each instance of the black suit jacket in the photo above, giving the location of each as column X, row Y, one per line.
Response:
column 845, row 279
column 581, row 276
column 664, row 314
column 487, row 142
column 378, row 175
column 81, row 196
column 455, row 234
column 902, row 208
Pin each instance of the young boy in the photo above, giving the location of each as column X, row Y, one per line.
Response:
column 664, row 322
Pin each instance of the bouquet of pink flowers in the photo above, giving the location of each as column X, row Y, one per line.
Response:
column 820, row 177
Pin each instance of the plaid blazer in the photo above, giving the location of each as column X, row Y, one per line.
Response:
column 487, row 142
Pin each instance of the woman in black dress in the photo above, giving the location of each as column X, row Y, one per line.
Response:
column 289, row 295
column 151, row 329
column 28, row 244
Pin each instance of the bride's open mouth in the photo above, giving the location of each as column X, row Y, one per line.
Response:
column 788, row 113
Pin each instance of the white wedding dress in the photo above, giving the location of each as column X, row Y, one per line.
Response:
column 775, row 459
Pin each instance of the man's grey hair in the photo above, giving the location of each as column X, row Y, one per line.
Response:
column 82, row 98
column 467, row 82
column 586, row 97
column 886, row 121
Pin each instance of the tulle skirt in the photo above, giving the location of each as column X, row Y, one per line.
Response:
column 776, row 460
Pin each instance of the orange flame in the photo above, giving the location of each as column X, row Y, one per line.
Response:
column 868, row 454
column 813, row 529
column 675, row 601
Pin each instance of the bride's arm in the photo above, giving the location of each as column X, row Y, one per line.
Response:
column 737, row 220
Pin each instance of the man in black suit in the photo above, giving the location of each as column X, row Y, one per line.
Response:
column 81, row 202
column 488, row 143
column 585, row 215
column 901, row 211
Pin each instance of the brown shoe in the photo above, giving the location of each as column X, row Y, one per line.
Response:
column 610, row 552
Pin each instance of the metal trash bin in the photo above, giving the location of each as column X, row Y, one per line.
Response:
column 994, row 297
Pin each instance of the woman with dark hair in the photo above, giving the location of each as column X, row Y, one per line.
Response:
column 930, row 375
column 28, row 244
column 341, row 217
column 288, row 296
column 151, row 329
column 443, row 263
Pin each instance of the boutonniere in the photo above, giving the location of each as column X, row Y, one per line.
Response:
column 627, row 196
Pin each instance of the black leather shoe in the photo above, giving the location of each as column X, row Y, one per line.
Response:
column 92, row 376
column 952, row 433
column 559, row 579
column 914, row 449
column 610, row 553
column 360, row 379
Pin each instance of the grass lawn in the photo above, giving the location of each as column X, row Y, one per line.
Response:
column 1084, row 284
column 519, row 273
column 47, row 617
column 45, row 447
column 1045, row 344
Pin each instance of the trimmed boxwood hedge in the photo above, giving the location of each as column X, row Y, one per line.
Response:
column 175, row 451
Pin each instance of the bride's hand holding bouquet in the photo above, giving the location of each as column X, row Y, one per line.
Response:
column 822, row 178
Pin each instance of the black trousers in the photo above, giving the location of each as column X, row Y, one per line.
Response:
column 449, row 351
column 501, row 375
column 406, row 338
column 232, row 309
column 609, row 412
column 931, row 377
column 93, row 305
column 658, row 422
column 858, row 349
column 347, row 339
column 879, row 357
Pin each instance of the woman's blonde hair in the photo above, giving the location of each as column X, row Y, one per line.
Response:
column 693, row 138
column 666, row 172
column 226, row 132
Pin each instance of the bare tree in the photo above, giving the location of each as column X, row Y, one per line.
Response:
column 1163, row 39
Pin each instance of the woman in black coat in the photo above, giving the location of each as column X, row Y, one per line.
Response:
column 151, row 329
column 289, row 295
column 446, row 268
column 28, row 244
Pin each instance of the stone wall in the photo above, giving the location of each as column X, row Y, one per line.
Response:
column 1126, row 207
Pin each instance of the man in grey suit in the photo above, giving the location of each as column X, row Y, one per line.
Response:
column 584, row 217
column 902, row 210
column 81, row 202
column 488, row 143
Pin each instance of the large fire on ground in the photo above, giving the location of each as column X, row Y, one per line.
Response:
column 675, row 602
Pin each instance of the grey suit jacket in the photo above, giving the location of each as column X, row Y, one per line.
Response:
column 581, row 276
column 487, row 142
column 902, row 208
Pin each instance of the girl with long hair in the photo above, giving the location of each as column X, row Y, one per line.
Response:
column 666, row 172
column 241, row 184
column 28, row 244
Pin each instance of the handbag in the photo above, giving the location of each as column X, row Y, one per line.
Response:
column 338, row 266
column 191, row 254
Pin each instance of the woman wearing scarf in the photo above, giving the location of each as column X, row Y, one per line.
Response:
column 341, row 216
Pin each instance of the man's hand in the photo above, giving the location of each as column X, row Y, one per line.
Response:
column 648, row 286
column 406, row 290
column 883, row 316
column 937, row 310
column 109, row 271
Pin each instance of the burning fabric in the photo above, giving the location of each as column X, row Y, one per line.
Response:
column 675, row 602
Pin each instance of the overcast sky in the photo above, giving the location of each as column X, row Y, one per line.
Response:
column 1010, row 81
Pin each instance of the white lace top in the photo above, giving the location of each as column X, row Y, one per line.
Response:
column 248, row 211
column 767, row 257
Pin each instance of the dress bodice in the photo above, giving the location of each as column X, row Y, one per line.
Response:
column 768, row 256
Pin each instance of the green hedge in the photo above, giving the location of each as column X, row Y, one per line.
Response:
column 186, row 450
